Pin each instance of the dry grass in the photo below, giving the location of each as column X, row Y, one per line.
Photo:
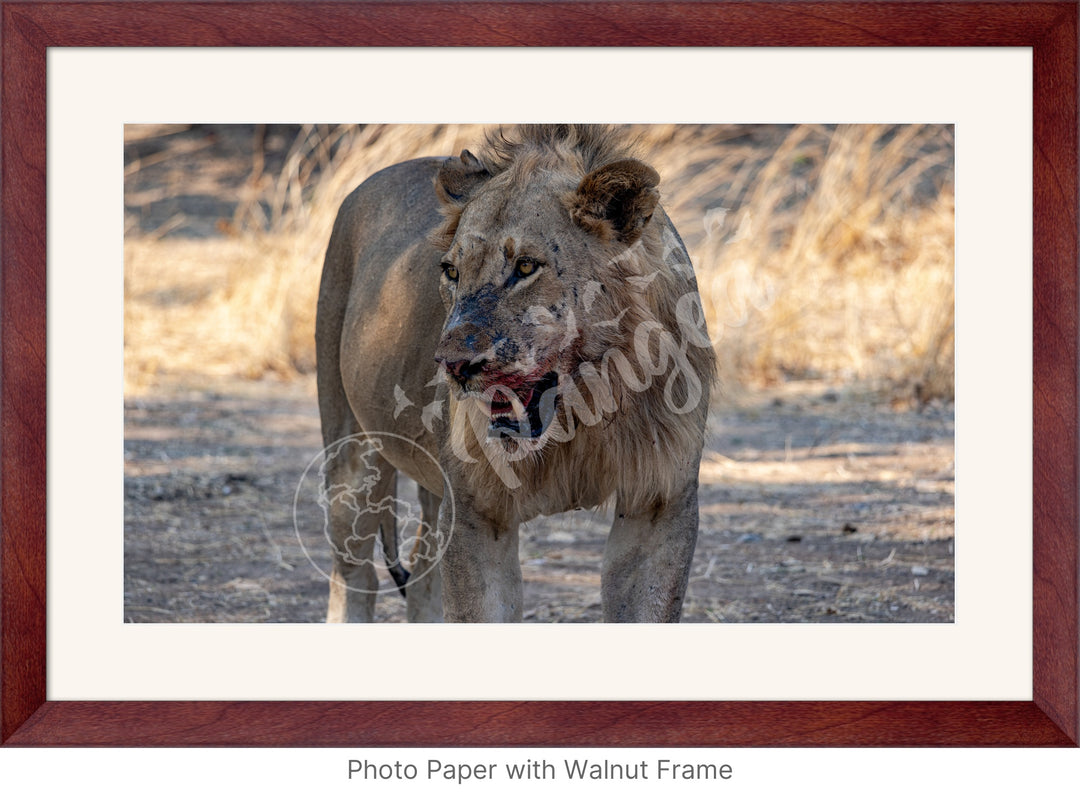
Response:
column 833, row 257
column 820, row 251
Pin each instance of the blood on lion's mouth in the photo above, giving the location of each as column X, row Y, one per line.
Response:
column 524, row 409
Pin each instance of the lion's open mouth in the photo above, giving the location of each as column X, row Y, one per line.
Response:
column 529, row 412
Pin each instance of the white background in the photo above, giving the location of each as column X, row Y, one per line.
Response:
column 985, row 655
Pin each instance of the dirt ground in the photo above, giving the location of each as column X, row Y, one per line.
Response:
column 818, row 504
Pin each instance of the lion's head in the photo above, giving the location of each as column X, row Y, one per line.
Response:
column 550, row 263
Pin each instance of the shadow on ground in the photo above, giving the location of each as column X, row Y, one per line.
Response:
column 816, row 505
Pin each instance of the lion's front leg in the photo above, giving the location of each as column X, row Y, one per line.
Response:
column 423, row 594
column 647, row 560
column 481, row 572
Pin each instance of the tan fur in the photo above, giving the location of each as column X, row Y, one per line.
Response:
column 552, row 257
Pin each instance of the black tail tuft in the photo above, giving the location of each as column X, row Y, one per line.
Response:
column 400, row 575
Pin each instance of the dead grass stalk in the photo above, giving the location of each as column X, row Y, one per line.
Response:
column 820, row 251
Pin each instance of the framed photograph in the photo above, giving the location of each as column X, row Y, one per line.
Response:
column 42, row 41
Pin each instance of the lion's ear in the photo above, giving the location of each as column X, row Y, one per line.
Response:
column 459, row 177
column 617, row 201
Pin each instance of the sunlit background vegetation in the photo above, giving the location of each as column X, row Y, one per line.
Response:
column 822, row 252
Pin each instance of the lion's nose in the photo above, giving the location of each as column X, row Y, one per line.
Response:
column 463, row 369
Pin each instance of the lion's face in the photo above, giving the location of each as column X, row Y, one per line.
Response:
column 523, row 281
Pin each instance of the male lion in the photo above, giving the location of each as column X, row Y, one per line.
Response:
column 531, row 316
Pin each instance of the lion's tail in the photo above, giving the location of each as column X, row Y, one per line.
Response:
column 388, row 540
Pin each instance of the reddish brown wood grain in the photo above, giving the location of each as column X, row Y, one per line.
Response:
column 26, row 718
column 567, row 24
column 22, row 376
column 479, row 724
column 1055, row 412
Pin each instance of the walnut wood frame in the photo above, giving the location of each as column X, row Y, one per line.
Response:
column 28, row 718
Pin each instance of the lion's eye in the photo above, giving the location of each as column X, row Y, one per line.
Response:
column 525, row 267
column 449, row 271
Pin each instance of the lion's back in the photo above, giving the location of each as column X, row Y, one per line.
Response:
column 379, row 311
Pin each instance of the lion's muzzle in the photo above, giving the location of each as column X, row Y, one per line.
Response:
column 517, row 405
column 463, row 370
column 525, row 410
